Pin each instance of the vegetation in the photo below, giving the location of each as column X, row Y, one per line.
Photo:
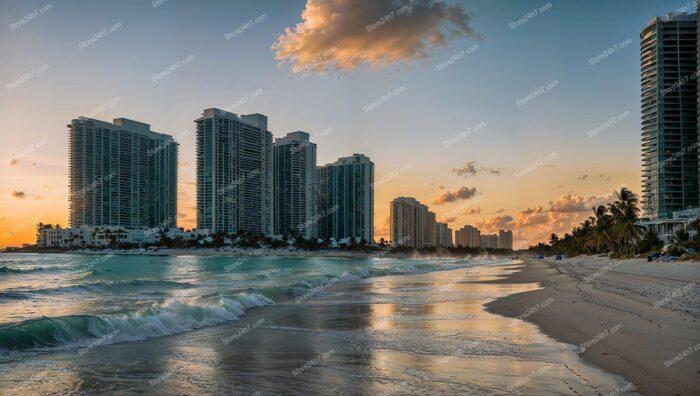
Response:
column 614, row 229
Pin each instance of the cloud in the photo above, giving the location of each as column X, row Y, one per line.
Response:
column 571, row 203
column 461, row 194
column 450, row 219
column 467, row 170
column 19, row 194
column 532, row 217
column 500, row 210
column 342, row 35
column 470, row 169
column 495, row 223
column 582, row 177
column 14, row 162
column 495, row 171
column 472, row 211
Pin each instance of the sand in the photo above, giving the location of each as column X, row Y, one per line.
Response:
column 636, row 319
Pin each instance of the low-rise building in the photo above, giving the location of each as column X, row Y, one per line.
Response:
column 104, row 236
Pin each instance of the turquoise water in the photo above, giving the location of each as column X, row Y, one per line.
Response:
column 133, row 325
column 61, row 301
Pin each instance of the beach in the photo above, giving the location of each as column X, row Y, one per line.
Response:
column 166, row 325
column 633, row 318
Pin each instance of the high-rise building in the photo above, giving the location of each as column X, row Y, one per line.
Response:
column 346, row 199
column 505, row 239
column 234, row 173
column 669, row 61
column 121, row 174
column 295, row 185
column 489, row 241
column 468, row 236
column 430, row 237
column 408, row 219
column 444, row 233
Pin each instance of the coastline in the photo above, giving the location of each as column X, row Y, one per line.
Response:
column 623, row 325
column 264, row 252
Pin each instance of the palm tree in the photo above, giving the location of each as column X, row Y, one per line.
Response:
column 627, row 229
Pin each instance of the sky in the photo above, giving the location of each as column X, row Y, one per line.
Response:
column 494, row 113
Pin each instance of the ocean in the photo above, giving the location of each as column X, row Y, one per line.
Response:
column 118, row 324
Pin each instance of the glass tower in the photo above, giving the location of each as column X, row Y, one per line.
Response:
column 295, row 186
column 346, row 199
column 669, row 115
column 234, row 173
column 121, row 174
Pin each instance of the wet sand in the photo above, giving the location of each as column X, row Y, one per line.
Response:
column 633, row 318
column 393, row 335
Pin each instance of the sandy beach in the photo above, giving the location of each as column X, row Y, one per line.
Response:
column 636, row 319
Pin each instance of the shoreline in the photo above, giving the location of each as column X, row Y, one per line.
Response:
column 264, row 252
column 591, row 303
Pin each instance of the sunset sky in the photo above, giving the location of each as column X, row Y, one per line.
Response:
column 489, row 117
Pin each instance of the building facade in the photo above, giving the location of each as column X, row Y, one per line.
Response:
column 346, row 199
column 468, row 236
column 444, row 235
column 295, row 185
column 669, row 62
column 505, row 239
column 489, row 241
column 407, row 219
column 234, row 173
column 121, row 174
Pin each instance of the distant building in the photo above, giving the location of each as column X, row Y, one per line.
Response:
column 121, row 174
column 346, row 199
column 444, row 235
column 408, row 219
column 489, row 241
column 468, row 236
column 430, row 226
column 665, row 229
column 234, row 173
column 295, row 185
column 105, row 236
column 669, row 57
column 505, row 239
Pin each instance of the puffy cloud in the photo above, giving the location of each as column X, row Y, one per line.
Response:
column 19, row 194
column 500, row 210
column 469, row 169
column 14, row 162
column 495, row 223
column 582, row 177
column 342, row 35
column 461, row 194
column 532, row 216
column 450, row 219
column 571, row 203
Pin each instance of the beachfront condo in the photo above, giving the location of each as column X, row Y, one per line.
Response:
column 669, row 115
column 505, row 239
column 468, row 236
column 407, row 221
column 346, row 199
column 295, row 185
column 489, row 241
column 121, row 174
column 444, row 234
column 234, row 173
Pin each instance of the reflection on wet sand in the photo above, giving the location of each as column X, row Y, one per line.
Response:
column 418, row 334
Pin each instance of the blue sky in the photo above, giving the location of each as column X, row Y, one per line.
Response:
column 410, row 128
